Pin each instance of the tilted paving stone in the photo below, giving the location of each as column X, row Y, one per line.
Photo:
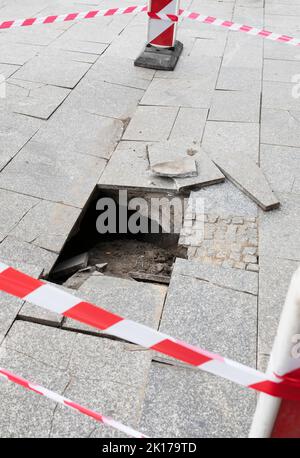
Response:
column 15, row 252
column 46, row 172
column 239, row 79
column 47, row 225
column 69, row 128
column 208, row 47
column 102, row 374
column 274, row 279
column 225, row 200
column 151, row 123
column 190, row 68
column 278, row 230
column 137, row 301
column 129, row 168
column 248, row 177
column 236, row 137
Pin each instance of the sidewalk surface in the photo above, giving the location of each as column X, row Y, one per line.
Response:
column 78, row 114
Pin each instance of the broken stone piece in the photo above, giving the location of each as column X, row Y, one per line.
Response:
column 71, row 265
column 183, row 168
column 101, row 267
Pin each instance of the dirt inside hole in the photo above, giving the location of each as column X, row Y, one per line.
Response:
column 143, row 257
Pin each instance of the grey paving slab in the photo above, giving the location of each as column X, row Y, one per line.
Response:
column 151, row 123
column 87, row 48
column 94, row 32
column 274, row 278
column 280, row 70
column 70, row 127
column 239, row 138
column 137, row 301
column 208, row 47
column 121, row 71
column 236, row 106
column 280, row 127
column 281, row 167
column 279, row 96
column 239, row 280
column 15, row 131
column 213, row 317
column 17, row 253
column 180, row 92
column 33, row 99
column 102, row 374
column 248, row 177
column 46, row 172
column 47, row 225
column 188, row 403
column 189, row 124
column 56, row 70
column 16, row 53
column 273, row 51
column 239, row 78
column 8, row 70
column 105, row 99
column 129, row 168
column 13, row 208
column 207, row 172
column 277, row 234
column 226, row 200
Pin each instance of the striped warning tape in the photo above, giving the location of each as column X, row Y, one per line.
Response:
column 7, row 375
column 47, row 296
column 183, row 14
column 67, row 17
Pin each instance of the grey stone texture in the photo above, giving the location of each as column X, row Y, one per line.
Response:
column 235, row 106
column 138, row 301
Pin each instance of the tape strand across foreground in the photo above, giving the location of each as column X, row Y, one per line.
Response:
column 134, row 9
column 7, row 375
column 47, row 296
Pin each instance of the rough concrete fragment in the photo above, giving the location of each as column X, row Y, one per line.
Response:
column 248, row 177
column 134, row 300
column 207, row 174
column 101, row 267
column 181, row 168
column 71, row 265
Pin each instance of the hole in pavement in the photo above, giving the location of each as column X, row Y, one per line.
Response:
column 142, row 256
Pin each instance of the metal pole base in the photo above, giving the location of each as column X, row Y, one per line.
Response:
column 160, row 58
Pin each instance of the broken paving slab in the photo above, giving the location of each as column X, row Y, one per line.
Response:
column 141, row 302
column 181, row 168
column 207, row 172
column 70, row 265
column 247, row 176
column 212, row 316
column 239, row 280
column 129, row 168
column 102, row 374
column 184, row 402
column 45, row 224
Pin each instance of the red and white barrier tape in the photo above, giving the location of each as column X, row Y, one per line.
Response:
column 205, row 19
column 7, row 375
column 67, row 17
column 47, row 296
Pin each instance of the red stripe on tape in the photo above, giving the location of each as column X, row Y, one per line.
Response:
column 210, row 19
column 91, row 14
column 227, row 23
column 111, row 12
column 50, row 19
column 19, row 381
column 130, row 9
column 29, row 21
column 71, row 17
column 6, row 24
column 84, row 410
column 18, row 284
column 92, row 315
column 246, row 28
column 181, row 352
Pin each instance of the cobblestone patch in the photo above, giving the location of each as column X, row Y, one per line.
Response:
column 225, row 241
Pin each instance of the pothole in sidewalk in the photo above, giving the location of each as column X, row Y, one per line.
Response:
column 145, row 255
